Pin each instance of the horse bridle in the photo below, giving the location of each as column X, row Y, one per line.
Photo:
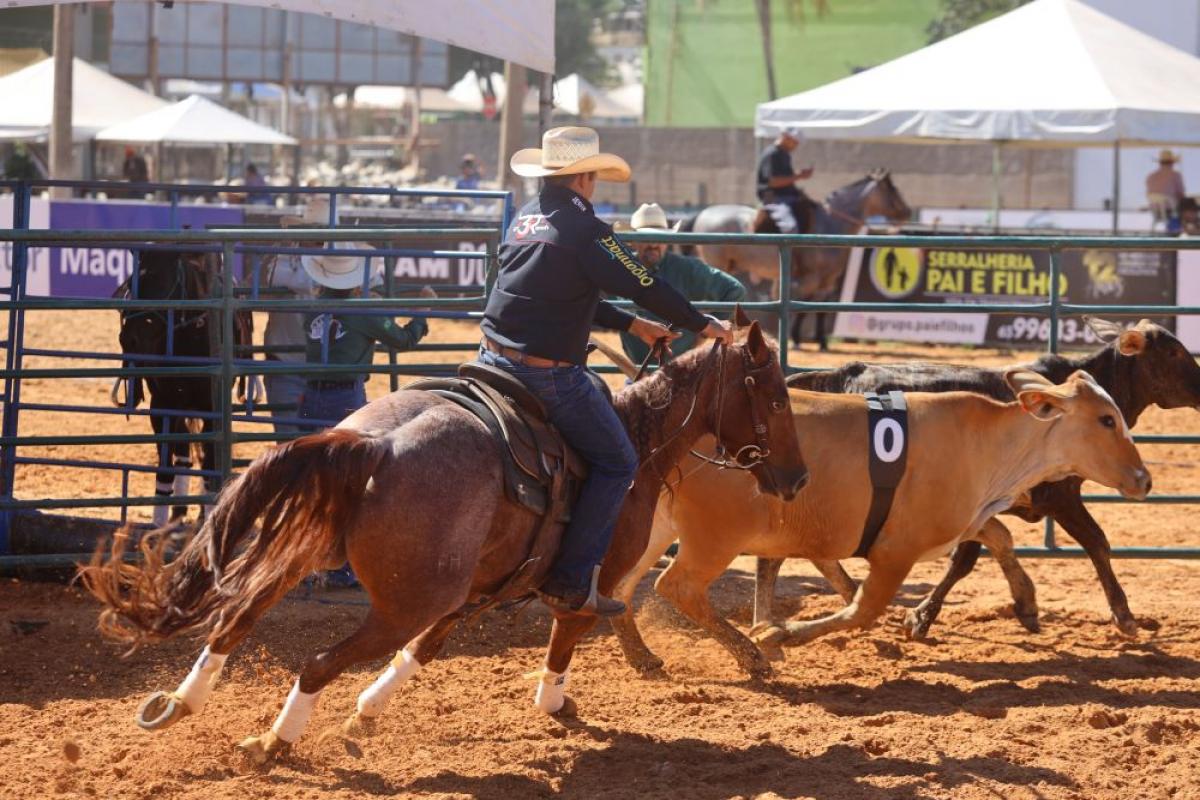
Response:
column 754, row 454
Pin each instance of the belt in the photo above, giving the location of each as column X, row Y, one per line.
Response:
column 524, row 359
column 331, row 384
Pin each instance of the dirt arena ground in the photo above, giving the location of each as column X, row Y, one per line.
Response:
column 983, row 710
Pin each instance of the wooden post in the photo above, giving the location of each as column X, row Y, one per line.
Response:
column 414, row 145
column 62, row 161
column 510, row 126
column 545, row 102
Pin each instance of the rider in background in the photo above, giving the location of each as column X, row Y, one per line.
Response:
column 556, row 259
column 776, row 183
column 689, row 276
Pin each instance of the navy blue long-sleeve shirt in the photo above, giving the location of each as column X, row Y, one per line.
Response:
column 556, row 259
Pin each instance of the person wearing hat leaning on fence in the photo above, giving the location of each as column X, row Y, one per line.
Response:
column 691, row 277
column 556, row 259
column 1164, row 190
column 285, row 337
column 346, row 338
column 776, row 183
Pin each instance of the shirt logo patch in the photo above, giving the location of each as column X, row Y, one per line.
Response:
column 530, row 224
column 316, row 329
column 616, row 251
column 579, row 204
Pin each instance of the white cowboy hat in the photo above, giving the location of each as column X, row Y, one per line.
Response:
column 569, row 151
column 650, row 217
column 339, row 272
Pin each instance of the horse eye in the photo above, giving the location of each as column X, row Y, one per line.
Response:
column 1108, row 421
column 777, row 406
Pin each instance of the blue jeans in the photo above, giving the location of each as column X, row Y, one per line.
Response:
column 585, row 418
column 331, row 405
column 284, row 390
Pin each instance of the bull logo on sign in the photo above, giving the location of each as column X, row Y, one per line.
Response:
column 1103, row 279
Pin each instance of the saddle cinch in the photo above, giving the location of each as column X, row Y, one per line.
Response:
column 541, row 472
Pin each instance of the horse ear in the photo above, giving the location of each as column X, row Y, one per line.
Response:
column 760, row 353
column 740, row 320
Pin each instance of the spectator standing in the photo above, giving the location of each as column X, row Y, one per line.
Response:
column 134, row 169
column 469, row 173
column 252, row 180
column 1164, row 190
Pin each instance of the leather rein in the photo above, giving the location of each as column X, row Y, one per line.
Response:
column 747, row 457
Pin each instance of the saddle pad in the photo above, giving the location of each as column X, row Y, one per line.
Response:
column 887, row 444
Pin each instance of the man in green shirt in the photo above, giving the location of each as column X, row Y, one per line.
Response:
column 346, row 339
column 691, row 277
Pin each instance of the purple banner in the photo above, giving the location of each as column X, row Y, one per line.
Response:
column 98, row 271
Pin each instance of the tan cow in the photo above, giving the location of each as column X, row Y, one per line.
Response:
column 969, row 457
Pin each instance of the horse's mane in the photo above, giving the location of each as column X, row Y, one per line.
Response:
column 844, row 194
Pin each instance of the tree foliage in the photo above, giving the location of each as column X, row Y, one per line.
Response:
column 957, row 16
column 573, row 46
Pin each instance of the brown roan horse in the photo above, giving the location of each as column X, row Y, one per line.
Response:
column 374, row 490
column 816, row 271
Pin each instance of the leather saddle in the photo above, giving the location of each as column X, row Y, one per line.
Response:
column 541, row 472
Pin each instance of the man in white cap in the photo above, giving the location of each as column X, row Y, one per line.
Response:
column 776, row 183
column 1164, row 190
column 689, row 276
column 555, row 261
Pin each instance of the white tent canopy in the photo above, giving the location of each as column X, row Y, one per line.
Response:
column 513, row 30
column 574, row 96
column 193, row 121
column 1051, row 72
column 99, row 100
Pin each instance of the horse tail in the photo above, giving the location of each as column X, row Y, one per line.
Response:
column 305, row 492
column 687, row 225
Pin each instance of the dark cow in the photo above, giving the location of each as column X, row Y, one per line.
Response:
column 1140, row 366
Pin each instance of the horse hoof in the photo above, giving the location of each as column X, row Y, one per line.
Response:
column 161, row 710
column 358, row 725
column 1127, row 626
column 916, row 626
column 259, row 750
column 568, row 711
column 768, row 635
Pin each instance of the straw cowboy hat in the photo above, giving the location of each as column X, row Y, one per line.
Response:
column 1166, row 156
column 569, row 151
column 650, row 217
column 334, row 272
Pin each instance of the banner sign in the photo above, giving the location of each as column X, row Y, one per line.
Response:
column 97, row 271
column 950, row 275
column 439, row 270
column 37, row 276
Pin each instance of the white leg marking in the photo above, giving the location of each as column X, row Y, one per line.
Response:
column 182, row 484
column 161, row 512
column 293, row 719
column 199, row 683
column 374, row 698
column 551, row 691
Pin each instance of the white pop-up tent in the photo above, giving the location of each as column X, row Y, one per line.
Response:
column 1051, row 73
column 99, row 100
column 194, row 120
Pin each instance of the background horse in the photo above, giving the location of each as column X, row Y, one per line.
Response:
column 190, row 333
column 429, row 551
column 816, row 272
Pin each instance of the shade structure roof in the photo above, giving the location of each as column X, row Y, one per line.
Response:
column 513, row 30
column 99, row 100
column 1050, row 72
column 194, row 120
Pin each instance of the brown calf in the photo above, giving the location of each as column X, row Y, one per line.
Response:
column 969, row 457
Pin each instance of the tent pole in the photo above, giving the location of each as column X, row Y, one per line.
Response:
column 996, row 186
column 62, row 145
column 1116, row 196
